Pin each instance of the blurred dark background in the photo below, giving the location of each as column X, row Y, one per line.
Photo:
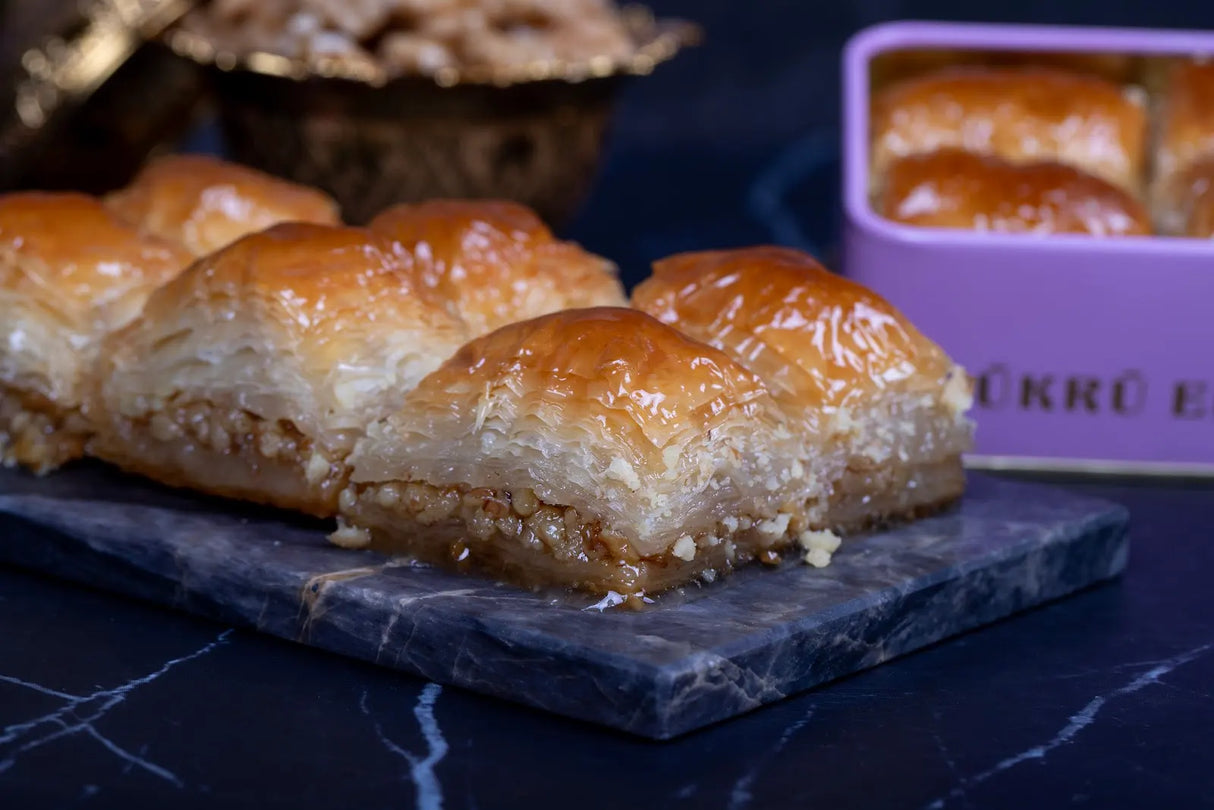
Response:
column 735, row 142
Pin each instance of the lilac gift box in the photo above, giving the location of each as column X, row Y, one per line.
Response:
column 1087, row 353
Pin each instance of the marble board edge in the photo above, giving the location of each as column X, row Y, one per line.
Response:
column 657, row 702
column 938, row 610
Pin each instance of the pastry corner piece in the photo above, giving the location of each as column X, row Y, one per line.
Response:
column 252, row 373
column 873, row 395
column 595, row 448
column 70, row 272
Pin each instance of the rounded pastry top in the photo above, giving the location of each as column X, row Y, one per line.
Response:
column 322, row 284
column 1017, row 113
column 814, row 337
column 204, row 203
column 496, row 261
column 68, row 251
column 320, row 325
column 952, row 188
column 607, row 366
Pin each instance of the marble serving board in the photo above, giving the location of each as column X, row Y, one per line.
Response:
column 693, row 658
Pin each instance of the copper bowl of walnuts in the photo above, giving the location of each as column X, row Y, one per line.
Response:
column 390, row 101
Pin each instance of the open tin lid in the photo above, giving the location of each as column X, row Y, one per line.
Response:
column 76, row 52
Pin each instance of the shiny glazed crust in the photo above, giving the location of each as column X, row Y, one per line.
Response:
column 877, row 399
column 309, row 331
column 1026, row 114
column 437, row 384
column 817, row 339
column 957, row 189
column 496, row 261
column 204, row 204
column 70, row 272
column 648, row 446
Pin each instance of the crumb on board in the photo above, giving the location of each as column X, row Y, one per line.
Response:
column 348, row 536
column 819, row 546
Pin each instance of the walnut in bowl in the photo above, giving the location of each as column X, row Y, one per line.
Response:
column 387, row 101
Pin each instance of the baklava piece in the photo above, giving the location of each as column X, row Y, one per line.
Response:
column 596, row 448
column 952, row 188
column 1184, row 148
column 1020, row 114
column 252, row 374
column 881, row 401
column 496, row 261
column 70, row 272
column 204, row 203
column 1198, row 208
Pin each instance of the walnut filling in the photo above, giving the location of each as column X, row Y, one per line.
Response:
column 37, row 433
column 517, row 535
column 271, row 461
column 228, row 431
column 418, row 36
column 871, row 495
column 557, row 531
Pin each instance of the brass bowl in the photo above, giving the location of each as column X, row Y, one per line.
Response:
column 532, row 134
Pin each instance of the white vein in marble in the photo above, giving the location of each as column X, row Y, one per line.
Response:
column 1076, row 723
column 687, row 661
column 740, row 796
column 421, row 768
column 66, row 721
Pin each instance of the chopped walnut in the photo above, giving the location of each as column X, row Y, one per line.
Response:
column 419, row 36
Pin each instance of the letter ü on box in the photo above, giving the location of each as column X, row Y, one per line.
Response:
column 1087, row 353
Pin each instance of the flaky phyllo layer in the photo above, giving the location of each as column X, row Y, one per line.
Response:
column 606, row 449
column 253, row 373
column 647, row 444
column 455, row 384
column 844, row 365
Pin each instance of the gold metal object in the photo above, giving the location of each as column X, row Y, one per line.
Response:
column 61, row 69
column 532, row 134
column 657, row 42
column 60, row 75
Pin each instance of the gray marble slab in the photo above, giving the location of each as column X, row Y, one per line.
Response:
column 692, row 659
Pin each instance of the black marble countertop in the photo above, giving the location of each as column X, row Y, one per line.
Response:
column 1101, row 700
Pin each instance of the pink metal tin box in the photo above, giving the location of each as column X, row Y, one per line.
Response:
column 1087, row 353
